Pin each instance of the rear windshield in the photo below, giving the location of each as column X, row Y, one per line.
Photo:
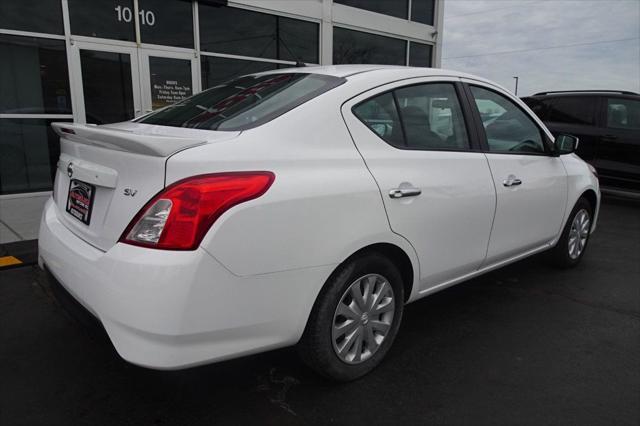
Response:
column 245, row 102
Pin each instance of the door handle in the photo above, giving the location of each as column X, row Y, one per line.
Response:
column 609, row 138
column 511, row 180
column 404, row 192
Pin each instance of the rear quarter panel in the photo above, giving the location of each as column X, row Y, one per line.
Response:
column 323, row 205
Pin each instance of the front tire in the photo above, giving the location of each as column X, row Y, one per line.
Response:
column 355, row 318
column 573, row 242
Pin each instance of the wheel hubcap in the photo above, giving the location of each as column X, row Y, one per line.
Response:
column 579, row 233
column 363, row 318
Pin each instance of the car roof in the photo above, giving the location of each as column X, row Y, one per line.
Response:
column 351, row 70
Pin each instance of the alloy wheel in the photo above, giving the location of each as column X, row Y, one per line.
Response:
column 579, row 233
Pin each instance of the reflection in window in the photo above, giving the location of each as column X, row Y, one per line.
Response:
column 357, row 47
column 102, row 18
column 216, row 70
column 623, row 114
column 42, row 16
column 166, row 22
column 29, row 150
column 244, row 103
column 33, row 75
column 397, row 8
column 507, row 127
column 419, row 54
column 243, row 32
column 107, row 86
column 422, row 11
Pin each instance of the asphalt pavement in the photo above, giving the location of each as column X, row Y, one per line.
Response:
column 527, row 344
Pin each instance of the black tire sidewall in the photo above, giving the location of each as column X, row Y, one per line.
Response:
column 316, row 346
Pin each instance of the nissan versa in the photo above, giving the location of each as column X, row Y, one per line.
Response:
column 305, row 206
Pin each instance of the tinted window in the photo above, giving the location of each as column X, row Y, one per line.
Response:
column 381, row 116
column 244, row 103
column 422, row 11
column 107, row 86
column 356, row 47
column 419, row 54
column 102, row 18
column 29, row 150
column 33, row 76
column 43, row 16
column 244, row 32
column 623, row 113
column 397, row 8
column 432, row 117
column 507, row 127
column 573, row 110
column 538, row 106
column 216, row 70
column 166, row 22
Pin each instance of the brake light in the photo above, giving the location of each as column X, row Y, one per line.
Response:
column 180, row 215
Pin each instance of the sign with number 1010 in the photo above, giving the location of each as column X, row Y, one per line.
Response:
column 124, row 14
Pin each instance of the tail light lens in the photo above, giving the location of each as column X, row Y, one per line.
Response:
column 180, row 216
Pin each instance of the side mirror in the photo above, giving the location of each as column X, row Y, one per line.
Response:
column 566, row 144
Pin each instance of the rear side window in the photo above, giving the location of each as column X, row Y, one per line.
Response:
column 381, row 116
column 573, row 110
column 245, row 102
column 421, row 117
column 623, row 114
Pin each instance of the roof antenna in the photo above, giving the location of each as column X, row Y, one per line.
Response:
column 300, row 64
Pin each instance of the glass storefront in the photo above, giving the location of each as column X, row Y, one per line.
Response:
column 124, row 58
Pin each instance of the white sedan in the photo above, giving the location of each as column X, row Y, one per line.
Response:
column 305, row 206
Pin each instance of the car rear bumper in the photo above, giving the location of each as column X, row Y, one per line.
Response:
column 176, row 309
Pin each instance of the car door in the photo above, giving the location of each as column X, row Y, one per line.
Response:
column 435, row 183
column 618, row 161
column 530, row 182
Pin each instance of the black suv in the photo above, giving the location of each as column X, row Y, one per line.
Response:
column 608, row 125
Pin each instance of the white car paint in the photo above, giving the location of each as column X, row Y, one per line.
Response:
column 253, row 280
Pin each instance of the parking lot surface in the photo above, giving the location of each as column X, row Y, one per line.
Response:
column 526, row 344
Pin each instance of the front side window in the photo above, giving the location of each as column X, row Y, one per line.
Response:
column 623, row 114
column 432, row 117
column 507, row 127
column 245, row 102
column 573, row 110
column 421, row 117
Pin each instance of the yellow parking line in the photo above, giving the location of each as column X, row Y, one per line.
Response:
column 9, row 260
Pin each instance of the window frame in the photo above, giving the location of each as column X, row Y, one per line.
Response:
column 548, row 143
column 473, row 141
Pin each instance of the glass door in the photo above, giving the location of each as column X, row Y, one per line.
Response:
column 166, row 77
column 107, row 83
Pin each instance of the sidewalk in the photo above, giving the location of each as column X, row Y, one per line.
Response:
column 19, row 222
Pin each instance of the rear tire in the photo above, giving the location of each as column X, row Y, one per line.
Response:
column 574, row 239
column 355, row 319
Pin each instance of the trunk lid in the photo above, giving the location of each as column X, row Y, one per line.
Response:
column 106, row 174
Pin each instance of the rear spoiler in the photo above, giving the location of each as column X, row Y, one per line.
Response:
column 124, row 140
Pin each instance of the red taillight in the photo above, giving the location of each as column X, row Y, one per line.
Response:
column 180, row 216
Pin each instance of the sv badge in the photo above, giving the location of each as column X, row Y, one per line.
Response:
column 130, row 192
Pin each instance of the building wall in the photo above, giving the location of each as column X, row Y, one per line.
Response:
column 99, row 61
